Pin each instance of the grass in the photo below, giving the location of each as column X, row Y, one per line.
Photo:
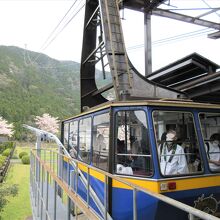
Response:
column 19, row 207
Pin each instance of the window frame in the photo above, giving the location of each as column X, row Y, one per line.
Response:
column 205, row 111
column 179, row 110
column 108, row 151
column 78, row 152
column 77, row 144
column 66, row 145
column 115, row 135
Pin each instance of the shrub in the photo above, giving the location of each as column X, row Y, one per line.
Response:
column 2, row 147
column 5, row 191
column 6, row 152
column 9, row 144
column 6, row 145
column 25, row 159
column 22, row 154
column 2, row 158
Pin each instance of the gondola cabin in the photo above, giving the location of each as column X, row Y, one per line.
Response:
column 130, row 140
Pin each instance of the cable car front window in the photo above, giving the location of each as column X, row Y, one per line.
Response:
column 177, row 143
column 210, row 124
column 132, row 153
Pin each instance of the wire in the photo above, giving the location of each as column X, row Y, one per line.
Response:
column 210, row 7
column 49, row 40
column 175, row 38
column 63, row 27
column 183, row 36
column 50, row 35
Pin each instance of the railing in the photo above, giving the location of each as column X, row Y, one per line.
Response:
column 53, row 197
column 47, row 173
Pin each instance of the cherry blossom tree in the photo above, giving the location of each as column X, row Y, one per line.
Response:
column 47, row 123
column 6, row 129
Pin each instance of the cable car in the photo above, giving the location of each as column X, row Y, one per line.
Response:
column 148, row 136
column 125, row 139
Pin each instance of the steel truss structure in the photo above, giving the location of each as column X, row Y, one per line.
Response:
column 103, row 45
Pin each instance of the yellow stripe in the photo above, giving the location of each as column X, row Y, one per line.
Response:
column 196, row 183
column 181, row 184
column 93, row 173
column 147, row 184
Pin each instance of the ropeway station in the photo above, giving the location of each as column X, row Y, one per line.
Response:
column 108, row 162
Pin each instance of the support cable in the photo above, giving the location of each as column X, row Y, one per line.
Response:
column 47, row 43
column 174, row 38
column 51, row 34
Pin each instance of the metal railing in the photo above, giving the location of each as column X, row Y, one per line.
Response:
column 46, row 174
column 53, row 197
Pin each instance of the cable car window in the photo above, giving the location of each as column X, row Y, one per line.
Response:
column 85, row 139
column 210, row 124
column 73, row 137
column 66, row 135
column 132, row 153
column 101, row 141
column 177, row 143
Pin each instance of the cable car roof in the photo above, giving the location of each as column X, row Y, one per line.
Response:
column 162, row 102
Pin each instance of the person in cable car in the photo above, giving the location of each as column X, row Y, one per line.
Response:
column 213, row 152
column 172, row 157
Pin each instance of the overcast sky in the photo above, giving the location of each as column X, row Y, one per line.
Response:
column 31, row 22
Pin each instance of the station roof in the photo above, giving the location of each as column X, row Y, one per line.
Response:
column 183, row 70
column 195, row 75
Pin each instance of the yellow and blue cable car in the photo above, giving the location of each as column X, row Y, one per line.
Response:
column 125, row 139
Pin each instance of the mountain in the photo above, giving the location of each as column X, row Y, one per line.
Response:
column 32, row 84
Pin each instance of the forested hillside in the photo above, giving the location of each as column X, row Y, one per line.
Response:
column 32, row 84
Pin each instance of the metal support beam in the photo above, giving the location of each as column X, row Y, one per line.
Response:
column 140, row 5
column 215, row 35
column 186, row 18
column 148, row 44
column 202, row 81
column 207, row 13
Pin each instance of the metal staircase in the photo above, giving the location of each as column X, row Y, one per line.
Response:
column 115, row 48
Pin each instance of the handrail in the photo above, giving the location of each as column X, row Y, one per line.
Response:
column 65, row 187
column 193, row 211
column 168, row 200
column 62, row 148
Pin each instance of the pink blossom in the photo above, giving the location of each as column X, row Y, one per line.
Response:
column 47, row 123
column 5, row 128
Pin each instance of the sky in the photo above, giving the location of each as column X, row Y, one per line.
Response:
column 27, row 24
